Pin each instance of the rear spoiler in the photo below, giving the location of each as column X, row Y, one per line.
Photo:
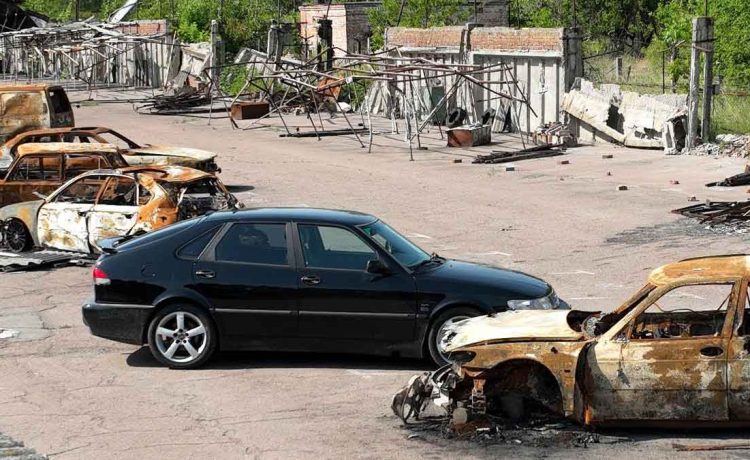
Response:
column 109, row 245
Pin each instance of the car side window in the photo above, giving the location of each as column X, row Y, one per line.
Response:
column 82, row 191
column 254, row 244
column 78, row 163
column 193, row 249
column 697, row 310
column 334, row 247
column 120, row 191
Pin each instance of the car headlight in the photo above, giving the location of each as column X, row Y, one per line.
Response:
column 549, row 302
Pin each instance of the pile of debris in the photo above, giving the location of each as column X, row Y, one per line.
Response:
column 627, row 118
column 539, row 151
column 719, row 213
column 728, row 145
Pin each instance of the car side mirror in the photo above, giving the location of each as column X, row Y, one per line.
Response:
column 377, row 267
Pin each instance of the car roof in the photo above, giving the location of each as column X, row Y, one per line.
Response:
column 64, row 147
column 334, row 216
column 699, row 269
column 166, row 173
column 9, row 88
column 62, row 130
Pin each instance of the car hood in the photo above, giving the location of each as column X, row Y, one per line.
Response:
column 511, row 326
column 165, row 150
column 510, row 281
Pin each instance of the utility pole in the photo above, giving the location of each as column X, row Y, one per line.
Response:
column 78, row 10
column 702, row 35
column 708, row 78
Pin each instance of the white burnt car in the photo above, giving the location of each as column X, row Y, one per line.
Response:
column 107, row 203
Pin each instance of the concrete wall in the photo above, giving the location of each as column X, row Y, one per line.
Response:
column 542, row 61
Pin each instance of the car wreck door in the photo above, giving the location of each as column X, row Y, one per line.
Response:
column 116, row 210
column 669, row 362
column 63, row 221
column 738, row 366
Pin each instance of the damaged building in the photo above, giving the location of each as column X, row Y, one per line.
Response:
column 15, row 17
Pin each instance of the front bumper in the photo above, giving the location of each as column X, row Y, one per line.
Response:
column 116, row 321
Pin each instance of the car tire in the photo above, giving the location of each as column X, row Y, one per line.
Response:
column 435, row 332
column 16, row 236
column 182, row 336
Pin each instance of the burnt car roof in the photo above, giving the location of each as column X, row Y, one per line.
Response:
column 702, row 269
column 334, row 216
column 159, row 173
column 4, row 88
column 64, row 147
column 63, row 130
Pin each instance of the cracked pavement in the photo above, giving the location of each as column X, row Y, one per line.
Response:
column 75, row 396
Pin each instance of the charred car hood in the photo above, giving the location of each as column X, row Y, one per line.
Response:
column 518, row 325
column 165, row 150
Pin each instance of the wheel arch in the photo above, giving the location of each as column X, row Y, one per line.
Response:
column 530, row 377
column 177, row 299
column 442, row 308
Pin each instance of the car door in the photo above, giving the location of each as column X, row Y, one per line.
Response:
column 63, row 220
column 668, row 361
column 29, row 174
column 116, row 210
column 339, row 299
column 738, row 364
column 249, row 277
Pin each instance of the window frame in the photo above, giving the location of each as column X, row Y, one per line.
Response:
column 209, row 253
column 217, row 229
column 54, row 198
column 39, row 157
column 111, row 179
column 379, row 254
column 655, row 295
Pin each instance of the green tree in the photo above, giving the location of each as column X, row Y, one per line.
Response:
column 415, row 13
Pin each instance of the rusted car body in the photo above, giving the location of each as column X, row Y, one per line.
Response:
column 107, row 203
column 25, row 107
column 42, row 168
column 646, row 362
column 134, row 153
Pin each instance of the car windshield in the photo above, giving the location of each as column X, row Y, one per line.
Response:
column 399, row 247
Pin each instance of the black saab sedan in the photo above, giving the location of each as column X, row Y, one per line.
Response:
column 291, row 279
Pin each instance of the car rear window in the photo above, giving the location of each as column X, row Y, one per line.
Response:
column 158, row 235
column 59, row 99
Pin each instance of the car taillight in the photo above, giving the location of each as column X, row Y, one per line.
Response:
column 100, row 277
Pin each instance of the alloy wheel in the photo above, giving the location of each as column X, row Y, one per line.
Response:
column 181, row 337
column 16, row 236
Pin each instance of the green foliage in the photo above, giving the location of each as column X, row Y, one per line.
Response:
column 416, row 13
column 731, row 29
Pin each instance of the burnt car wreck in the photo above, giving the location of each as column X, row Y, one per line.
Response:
column 109, row 203
column 675, row 353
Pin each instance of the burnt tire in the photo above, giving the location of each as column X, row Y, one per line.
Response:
column 182, row 336
column 436, row 330
column 456, row 117
column 16, row 236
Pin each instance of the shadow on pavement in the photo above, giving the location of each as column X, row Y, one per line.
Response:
column 239, row 188
column 255, row 360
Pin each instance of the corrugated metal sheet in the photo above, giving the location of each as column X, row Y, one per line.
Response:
column 10, row 262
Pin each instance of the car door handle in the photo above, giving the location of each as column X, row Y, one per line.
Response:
column 312, row 280
column 712, row 352
column 208, row 274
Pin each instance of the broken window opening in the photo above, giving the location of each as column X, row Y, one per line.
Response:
column 697, row 310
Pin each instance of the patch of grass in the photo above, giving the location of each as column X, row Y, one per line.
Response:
column 730, row 113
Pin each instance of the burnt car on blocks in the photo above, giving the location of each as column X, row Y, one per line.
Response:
column 291, row 279
column 676, row 353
